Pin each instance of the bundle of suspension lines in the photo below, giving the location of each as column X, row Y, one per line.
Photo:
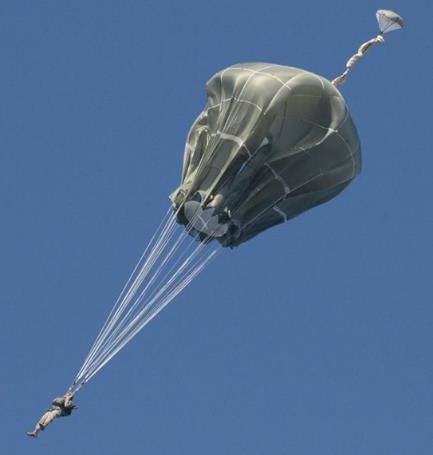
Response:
column 170, row 261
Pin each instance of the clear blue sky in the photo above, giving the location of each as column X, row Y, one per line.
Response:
column 314, row 338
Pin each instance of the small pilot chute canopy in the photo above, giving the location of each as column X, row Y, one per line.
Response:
column 388, row 20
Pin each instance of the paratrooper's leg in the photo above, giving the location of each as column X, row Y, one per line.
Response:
column 45, row 420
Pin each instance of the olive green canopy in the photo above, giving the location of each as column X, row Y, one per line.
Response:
column 272, row 142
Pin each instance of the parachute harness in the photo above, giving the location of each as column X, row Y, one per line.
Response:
column 388, row 21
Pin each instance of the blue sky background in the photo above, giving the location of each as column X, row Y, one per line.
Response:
column 314, row 338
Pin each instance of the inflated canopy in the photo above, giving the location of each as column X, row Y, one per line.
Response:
column 388, row 20
column 272, row 142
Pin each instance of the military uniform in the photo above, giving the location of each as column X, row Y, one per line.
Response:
column 58, row 408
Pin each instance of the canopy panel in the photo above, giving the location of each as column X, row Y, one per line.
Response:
column 272, row 142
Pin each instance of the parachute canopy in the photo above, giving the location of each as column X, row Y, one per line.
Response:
column 388, row 20
column 272, row 142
